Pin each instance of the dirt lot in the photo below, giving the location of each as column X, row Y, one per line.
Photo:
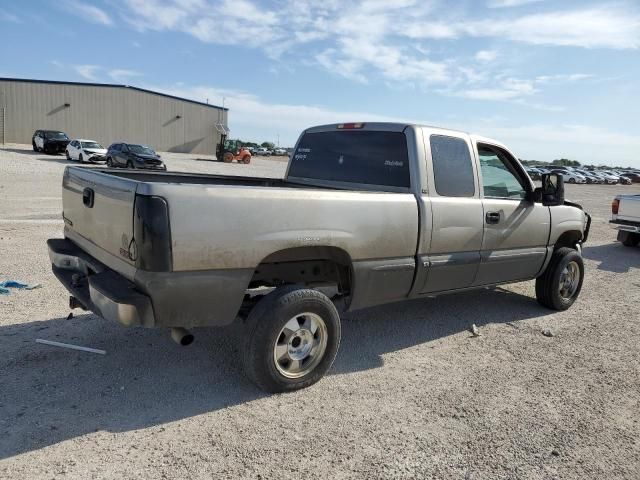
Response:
column 411, row 395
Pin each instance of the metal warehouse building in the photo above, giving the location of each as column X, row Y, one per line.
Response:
column 108, row 113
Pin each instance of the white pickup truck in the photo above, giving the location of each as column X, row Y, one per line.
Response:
column 625, row 213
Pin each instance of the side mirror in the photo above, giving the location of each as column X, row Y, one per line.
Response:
column 552, row 191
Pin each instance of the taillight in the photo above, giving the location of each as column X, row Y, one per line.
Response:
column 615, row 205
column 151, row 246
column 350, row 126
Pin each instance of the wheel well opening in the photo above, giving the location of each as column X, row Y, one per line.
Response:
column 309, row 266
column 568, row 239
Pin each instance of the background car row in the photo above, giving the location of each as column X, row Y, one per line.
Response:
column 126, row 155
column 582, row 175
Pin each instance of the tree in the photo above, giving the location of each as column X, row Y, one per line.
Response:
column 268, row 145
column 565, row 162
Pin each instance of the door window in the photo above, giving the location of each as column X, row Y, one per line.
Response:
column 452, row 166
column 500, row 178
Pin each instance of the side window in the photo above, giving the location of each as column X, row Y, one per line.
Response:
column 452, row 166
column 124, row 148
column 500, row 179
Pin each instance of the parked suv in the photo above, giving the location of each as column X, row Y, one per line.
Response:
column 133, row 155
column 49, row 141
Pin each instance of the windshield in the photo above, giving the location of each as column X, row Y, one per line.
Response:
column 141, row 150
column 56, row 135
column 363, row 157
column 91, row 145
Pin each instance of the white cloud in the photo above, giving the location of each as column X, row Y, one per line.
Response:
column 486, row 55
column 564, row 78
column 87, row 12
column 87, row 71
column 121, row 74
column 509, row 89
column 509, row 3
column 604, row 27
column 506, row 89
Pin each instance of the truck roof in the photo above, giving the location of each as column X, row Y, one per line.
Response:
column 399, row 126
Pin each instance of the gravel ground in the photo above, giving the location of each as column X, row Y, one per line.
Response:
column 411, row 395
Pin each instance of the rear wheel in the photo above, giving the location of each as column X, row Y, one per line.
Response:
column 246, row 159
column 560, row 284
column 227, row 157
column 66, row 152
column 628, row 239
column 291, row 339
column 130, row 164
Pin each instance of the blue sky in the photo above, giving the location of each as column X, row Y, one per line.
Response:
column 551, row 79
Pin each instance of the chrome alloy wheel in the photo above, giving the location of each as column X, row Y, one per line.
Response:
column 569, row 280
column 301, row 345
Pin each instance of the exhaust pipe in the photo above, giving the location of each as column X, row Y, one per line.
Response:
column 181, row 336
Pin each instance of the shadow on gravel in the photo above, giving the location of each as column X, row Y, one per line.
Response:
column 614, row 257
column 50, row 394
column 45, row 157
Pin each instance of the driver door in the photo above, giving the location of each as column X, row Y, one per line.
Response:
column 516, row 229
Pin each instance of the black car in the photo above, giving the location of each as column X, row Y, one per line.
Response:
column 132, row 155
column 49, row 141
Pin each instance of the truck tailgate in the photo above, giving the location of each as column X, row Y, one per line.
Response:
column 98, row 208
column 629, row 208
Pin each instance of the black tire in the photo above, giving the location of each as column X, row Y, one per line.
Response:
column 66, row 152
column 130, row 164
column 109, row 162
column 265, row 326
column 548, row 284
column 572, row 180
column 80, row 159
column 35, row 149
column 628, row 239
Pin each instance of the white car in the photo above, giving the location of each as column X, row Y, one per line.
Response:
column 263, row 151
column 280, row 151
column 86, row 151
column 572, row 177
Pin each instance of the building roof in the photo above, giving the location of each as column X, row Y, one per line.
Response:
column 111, row 85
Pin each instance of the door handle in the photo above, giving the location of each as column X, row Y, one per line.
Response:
column 492, row 217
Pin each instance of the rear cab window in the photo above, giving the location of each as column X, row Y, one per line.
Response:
column 452, row 167
column 370, row 159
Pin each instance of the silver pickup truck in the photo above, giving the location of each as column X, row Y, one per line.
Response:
column 366, row 214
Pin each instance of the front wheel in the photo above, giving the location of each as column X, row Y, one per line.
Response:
column 291, row 339
column 246, row 159
column 109, row 162
column 80, row 159
column 572, row 180
column 560, row 284
column 35, row 148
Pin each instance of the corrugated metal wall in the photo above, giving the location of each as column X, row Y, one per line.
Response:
column 109, row 114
